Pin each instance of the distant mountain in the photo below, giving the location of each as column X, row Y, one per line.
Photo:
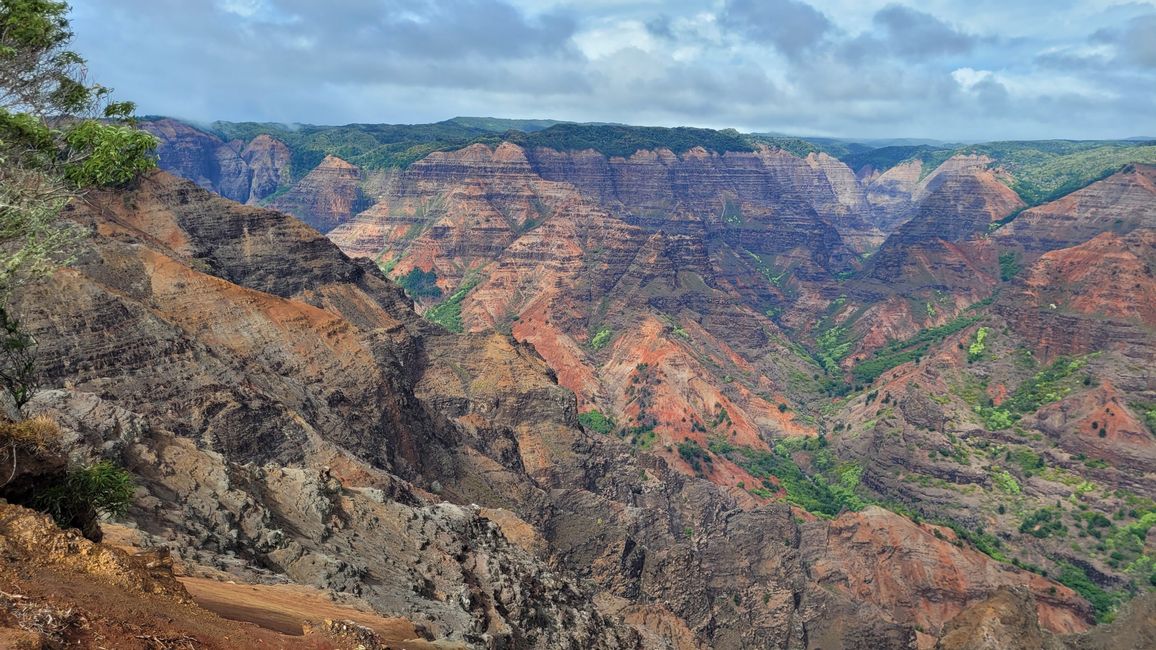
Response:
column 501, row 125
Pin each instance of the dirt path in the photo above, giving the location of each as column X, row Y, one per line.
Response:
column 287, row 608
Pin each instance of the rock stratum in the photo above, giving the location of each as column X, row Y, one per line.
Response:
column 666, row 400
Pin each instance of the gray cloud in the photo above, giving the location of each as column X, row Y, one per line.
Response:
column 863, row 68
column 792, row 27
column 1136, row 41
column 913, row 34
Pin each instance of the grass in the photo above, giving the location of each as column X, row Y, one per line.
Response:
column 912, row 349
column 600, row 338
column 448, row 313
column 37, row 434
column 1103, row 602
column 827, row 492
column 596, row 422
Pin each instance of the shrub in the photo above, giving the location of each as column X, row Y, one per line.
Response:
column 975, row 350
column 420, row 284
column 1044, row 523
column 600, row 338
column 1008, row 266
column 17, row 360
column 1074, row 577
column 1005, row 481
column 85, row 493
column 596, row 422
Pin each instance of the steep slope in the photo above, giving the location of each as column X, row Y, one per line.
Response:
column 603, row 300
column 290, row 418
column 1120, row 203
column 244, row 172
column 93, row 595
column 330, row 194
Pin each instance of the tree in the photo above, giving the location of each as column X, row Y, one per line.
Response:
column 60, row 136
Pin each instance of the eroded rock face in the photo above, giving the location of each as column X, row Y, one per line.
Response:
column 1118, row 204
column 243, row 172
column 880, row 557
column 327, row 196
column 1098, row 295
column 286, row 409
column 1004, row 621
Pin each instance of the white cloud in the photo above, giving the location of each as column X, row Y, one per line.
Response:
column 967, row 78
column 1013, row 69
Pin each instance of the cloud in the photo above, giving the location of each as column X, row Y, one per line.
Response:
column 868, row 68
column 790, row 26
column 912, row 34
column 1135, row 41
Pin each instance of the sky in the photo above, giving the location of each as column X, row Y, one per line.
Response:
column 944, row 69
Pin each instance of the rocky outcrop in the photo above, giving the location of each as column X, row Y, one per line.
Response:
column 880, row 557
column 269, row 162
column 243, row 172
column 1118, row 204
column 329, row 195
column 1098, row 295
column 1004, row 621
column 291, row 418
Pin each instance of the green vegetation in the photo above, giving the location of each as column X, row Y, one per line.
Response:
column 884, row 158
column 596, row 422
column 795, row 146
column 1009, row 266
column 1147, row 413
column 17, row 360
column 975, row 350
column 1028, row 461
column 100, row 489
column 1040, row 170
column 620, row 140
column 1045, row 170
column 833, row 347
column 994, row 418
column 832, row 489
column 600, row 338
column 912, row 349
column 385, row 146
column 695, row 456
column 46, row 161
column 1044, row 523
column 387, row 265
column 1005, row 482
column 1045, row 387
column 420, row 284
column 448, row 313
column 1075, row 578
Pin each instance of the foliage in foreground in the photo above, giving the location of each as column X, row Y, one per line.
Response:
column 99, row 489
column 59, row 136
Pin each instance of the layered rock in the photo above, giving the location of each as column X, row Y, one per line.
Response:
column 1118, row 204
column 329, row 195
column 1098, row 295
column 243, row 172
column 285, row 409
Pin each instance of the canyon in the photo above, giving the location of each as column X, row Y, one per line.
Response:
column 511, row 395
